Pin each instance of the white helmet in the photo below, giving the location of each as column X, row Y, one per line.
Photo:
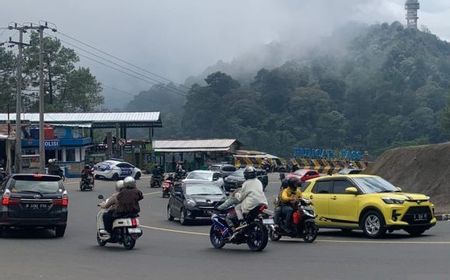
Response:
column 129, row 182
column 119, row 185
column 52, row 160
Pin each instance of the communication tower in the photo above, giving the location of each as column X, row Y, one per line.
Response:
column 412, row 6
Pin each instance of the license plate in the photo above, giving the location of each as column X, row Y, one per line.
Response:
column 268, row 221
column 420, row 217
column 36, row 206
column 134, row 230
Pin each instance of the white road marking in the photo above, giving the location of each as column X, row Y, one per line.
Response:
column 317, row 240
column 150, row 193
column 176, row 231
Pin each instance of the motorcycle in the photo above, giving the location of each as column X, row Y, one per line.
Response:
column 303, row 224
column 166, row 186
column 87, row 183
column 255, row 233
column 156, row 181
column 125, row 230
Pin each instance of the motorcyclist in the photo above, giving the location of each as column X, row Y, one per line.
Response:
column 53, row 168
column 289, row 197
column 86, row 172
column 109, row 204
column 128, row 199
column 157, row 174
column 179, row 171
column 127, row 203
column 250, row 196
column 277, row 202
column 295, row 167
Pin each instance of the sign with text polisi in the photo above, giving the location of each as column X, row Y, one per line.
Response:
column 330, row 154
column 51, row 144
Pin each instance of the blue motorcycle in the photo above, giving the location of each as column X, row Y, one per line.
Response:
column 255, row 233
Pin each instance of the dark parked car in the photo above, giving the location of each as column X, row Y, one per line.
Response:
column 191, row 201
column 223, row 169
column 349, row 171
column 236, row 179
column 34, row 200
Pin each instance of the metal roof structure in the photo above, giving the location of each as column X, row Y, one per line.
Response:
column 96, row 120
column 209, row 145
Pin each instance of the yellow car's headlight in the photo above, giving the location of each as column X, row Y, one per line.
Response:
column 390, row 200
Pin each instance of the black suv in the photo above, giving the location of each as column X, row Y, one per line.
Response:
column 223, row 169
column 236, row 179
column 34, row 200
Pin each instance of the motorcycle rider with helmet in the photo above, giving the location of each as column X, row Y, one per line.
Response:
column 278, row 205
column 127, row 203
column 109, row 204
column 250, row 196
column 289, row 197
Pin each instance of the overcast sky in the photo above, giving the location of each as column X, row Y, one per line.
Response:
column 178, row 38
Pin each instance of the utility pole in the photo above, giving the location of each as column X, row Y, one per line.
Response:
column 40, row 28
column 18, row 147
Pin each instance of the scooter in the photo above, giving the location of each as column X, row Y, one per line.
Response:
column 125, row 230
column 254, row 233
column 87, row 183
column 303, row 224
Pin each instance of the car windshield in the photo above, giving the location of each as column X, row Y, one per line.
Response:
column 374, row 185
column 200, row 176
column 34, row 184
column 229, row 168
column 238, row 173
column 300, row 172
column 203, row 190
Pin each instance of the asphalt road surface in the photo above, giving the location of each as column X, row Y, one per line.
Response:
column 170, row 251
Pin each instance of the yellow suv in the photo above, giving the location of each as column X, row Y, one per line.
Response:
column 369, row 203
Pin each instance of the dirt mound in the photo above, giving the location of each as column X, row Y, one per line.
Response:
column 424, row 169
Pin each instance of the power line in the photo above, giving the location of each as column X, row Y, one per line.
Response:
column 126, row 70
column 118, row 58
column 126, row 73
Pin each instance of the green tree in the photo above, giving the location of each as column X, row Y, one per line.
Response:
column 72, row 89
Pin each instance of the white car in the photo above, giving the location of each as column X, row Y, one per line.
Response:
column 199, row 176
column 115, row 170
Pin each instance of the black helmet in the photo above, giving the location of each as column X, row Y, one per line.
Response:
column 249, row 173
column 293, row 182
column 87, row 166
column 284, row 183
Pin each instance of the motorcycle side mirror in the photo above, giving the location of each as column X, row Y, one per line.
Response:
column 100, row 196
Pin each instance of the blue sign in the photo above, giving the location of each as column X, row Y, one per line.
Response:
column 51, row 144
column 328, row 154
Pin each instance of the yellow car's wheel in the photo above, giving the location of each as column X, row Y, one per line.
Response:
column 373, row 224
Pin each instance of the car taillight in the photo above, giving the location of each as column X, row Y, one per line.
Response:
column 64, row 201
column 134, row 222
column 8, row 200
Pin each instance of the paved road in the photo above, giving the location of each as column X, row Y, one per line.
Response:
column 171, row 251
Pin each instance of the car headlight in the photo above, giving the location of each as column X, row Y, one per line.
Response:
column 390, row 200
column 190, row 202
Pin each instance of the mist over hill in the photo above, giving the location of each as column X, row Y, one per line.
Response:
column 364, row 87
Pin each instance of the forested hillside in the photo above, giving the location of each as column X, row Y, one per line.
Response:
column 390, row 87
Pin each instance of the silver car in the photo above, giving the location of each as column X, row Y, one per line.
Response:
column 200, row 176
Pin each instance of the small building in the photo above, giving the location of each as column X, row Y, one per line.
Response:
column 195, row 154
column 69, row 137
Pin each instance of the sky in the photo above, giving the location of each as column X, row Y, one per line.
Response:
column 179, row 38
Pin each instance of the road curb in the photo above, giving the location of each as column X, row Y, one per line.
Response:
column 442, row 217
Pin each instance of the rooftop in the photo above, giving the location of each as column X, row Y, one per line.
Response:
column 194, row 145
column 97, row 120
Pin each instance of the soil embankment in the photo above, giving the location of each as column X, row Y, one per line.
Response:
column 421, row 169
